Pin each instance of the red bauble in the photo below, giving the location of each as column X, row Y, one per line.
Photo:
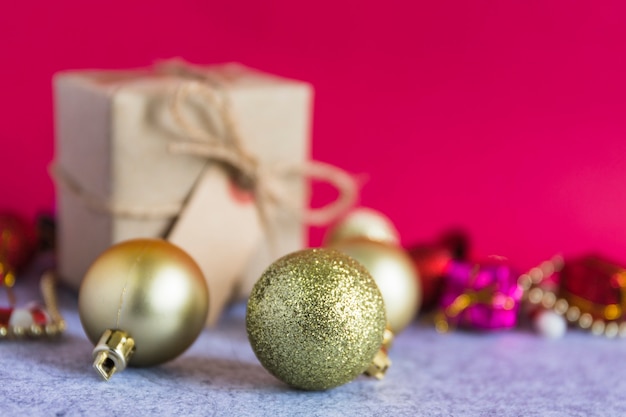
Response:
column 431, row 261
column 17, row 241
column 596, row 286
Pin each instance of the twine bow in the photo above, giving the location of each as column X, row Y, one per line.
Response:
column 266, row 182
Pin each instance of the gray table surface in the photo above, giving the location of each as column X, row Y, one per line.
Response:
column 513, row 373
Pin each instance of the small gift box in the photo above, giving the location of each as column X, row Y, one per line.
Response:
column 213, row 159
column 482, row 296
column 596, row 286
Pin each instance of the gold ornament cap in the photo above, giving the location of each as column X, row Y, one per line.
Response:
column 112, row 353
column 316, row 319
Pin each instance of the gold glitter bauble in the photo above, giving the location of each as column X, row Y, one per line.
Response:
column 363, row 223
column 395, row 275
column 316, row 319
column 148, row 290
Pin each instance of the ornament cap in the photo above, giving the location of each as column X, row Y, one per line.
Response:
column 388, row 337
column 380, row 364
column 112, row 353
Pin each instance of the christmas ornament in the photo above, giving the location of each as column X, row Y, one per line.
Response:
column 596, row 286
column 590, row 292
column 363, row 223
column 431, row 262
column 482, row 296
column 33, row 320
column 395, row 275
column 549, row 324
column 142, row 302
column 16, row 240
column 316, row 320
column 16, row 247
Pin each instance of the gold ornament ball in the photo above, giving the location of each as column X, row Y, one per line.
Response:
column 316, row 319
column 150, row 290
column 363, row 223
column 394, row 273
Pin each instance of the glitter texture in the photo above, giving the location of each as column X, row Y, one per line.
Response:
column 316, row 319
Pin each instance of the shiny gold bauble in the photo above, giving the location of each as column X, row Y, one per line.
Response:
column 363, row 223
column 316, row 319
column 150, row 290
column 395, row 275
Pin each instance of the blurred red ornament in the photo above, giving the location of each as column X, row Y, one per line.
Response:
column 16, row 247
column 595, row 286
column 17, row 241
column 431, row 261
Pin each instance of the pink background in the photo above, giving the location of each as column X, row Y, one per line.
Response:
column 506, row 118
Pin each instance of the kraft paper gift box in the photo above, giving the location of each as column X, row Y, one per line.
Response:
column 120, row 174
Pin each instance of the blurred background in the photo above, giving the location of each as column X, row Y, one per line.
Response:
column 503, row 118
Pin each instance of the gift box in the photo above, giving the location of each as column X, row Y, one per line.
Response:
column 482, row 296
column 197, row 155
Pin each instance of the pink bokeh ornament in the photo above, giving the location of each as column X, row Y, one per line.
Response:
column 482, row 296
